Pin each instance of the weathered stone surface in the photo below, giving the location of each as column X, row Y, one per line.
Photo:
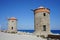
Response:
column 41, row 20
column 12, row 25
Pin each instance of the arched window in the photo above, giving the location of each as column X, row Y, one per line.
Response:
column 12, row 21
column 44, row 14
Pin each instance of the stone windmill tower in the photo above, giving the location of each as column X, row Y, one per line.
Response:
column 12, row 25
column 42, row 21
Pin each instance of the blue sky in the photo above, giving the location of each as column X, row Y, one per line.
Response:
column 21, row 9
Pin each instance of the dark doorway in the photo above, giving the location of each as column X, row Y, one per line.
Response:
column 44, row 27
column 12, row 28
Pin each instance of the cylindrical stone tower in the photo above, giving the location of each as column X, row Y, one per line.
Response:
column 12, row 25
column 42, row 21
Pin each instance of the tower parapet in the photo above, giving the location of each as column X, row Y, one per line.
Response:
column 42, row 9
